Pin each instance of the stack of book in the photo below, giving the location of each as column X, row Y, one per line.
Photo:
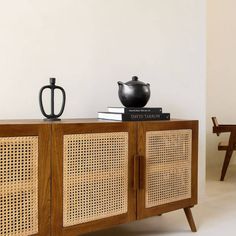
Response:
column 134, row 114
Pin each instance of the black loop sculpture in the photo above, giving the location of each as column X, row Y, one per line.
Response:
column 52, row 87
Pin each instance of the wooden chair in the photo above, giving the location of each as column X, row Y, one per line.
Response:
column 222, row 146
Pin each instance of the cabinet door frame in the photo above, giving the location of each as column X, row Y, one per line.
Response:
column 58, row 131
column 43, row 132
column 144, row 127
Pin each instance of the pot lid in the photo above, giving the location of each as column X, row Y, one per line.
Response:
column 135, row 81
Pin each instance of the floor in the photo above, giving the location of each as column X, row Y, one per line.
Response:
column 216, row 215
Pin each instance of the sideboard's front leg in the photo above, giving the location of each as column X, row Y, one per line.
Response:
column 189, row 216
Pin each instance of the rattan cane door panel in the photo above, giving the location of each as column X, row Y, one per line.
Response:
column 19, row 186
column 24, row 189
column 168, row 166
column 95, row 176
column 93, row 188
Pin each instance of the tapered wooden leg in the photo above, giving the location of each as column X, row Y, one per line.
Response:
column 189, row 216
column 228, row 156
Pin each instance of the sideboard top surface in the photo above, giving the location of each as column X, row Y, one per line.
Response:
column 76, row 121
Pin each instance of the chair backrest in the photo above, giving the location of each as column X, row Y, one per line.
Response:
column 215, row 123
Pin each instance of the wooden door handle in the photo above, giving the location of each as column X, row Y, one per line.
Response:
column 142, row 165
column 135, row 168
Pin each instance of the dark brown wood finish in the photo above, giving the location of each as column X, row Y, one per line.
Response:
column 51, row 169
column 143, row 127
column 228, row 154
column 58, row 131
column 44, row 136
column 189, row 217
column 228, row 147
column 68, row 121
column 223, row 146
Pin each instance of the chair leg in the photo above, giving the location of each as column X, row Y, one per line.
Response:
column 190, row 219
column 228, row 156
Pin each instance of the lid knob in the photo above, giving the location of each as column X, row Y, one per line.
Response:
column 134, row 78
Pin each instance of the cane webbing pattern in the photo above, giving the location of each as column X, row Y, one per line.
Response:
column 95, row 176
column 168, row 166
column 18, row 186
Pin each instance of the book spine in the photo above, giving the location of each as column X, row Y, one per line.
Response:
column 146, row 116
column 142, row 110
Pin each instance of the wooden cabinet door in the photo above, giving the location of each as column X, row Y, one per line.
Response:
column 92, row 176
column 167, row 166
column 25, row 180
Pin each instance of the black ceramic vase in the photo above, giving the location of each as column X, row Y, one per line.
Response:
column 134, row 93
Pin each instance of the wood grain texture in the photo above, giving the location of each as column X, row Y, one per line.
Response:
column 44, row 179
column 51, row 151
column 73, row 121
column 59, row 130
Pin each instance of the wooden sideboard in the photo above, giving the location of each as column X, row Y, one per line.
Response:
column 71, row 177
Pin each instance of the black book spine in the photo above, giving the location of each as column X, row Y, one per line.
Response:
column 130, row 110
column 145, row 116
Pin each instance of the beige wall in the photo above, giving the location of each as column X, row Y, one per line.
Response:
column 89, row 45
column 221, row 71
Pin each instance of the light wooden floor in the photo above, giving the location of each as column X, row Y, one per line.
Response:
column 216, row 215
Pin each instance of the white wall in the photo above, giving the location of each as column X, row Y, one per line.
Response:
column 88, row 45
column 221, row 73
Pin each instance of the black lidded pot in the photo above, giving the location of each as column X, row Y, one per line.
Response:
column 134, row 93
